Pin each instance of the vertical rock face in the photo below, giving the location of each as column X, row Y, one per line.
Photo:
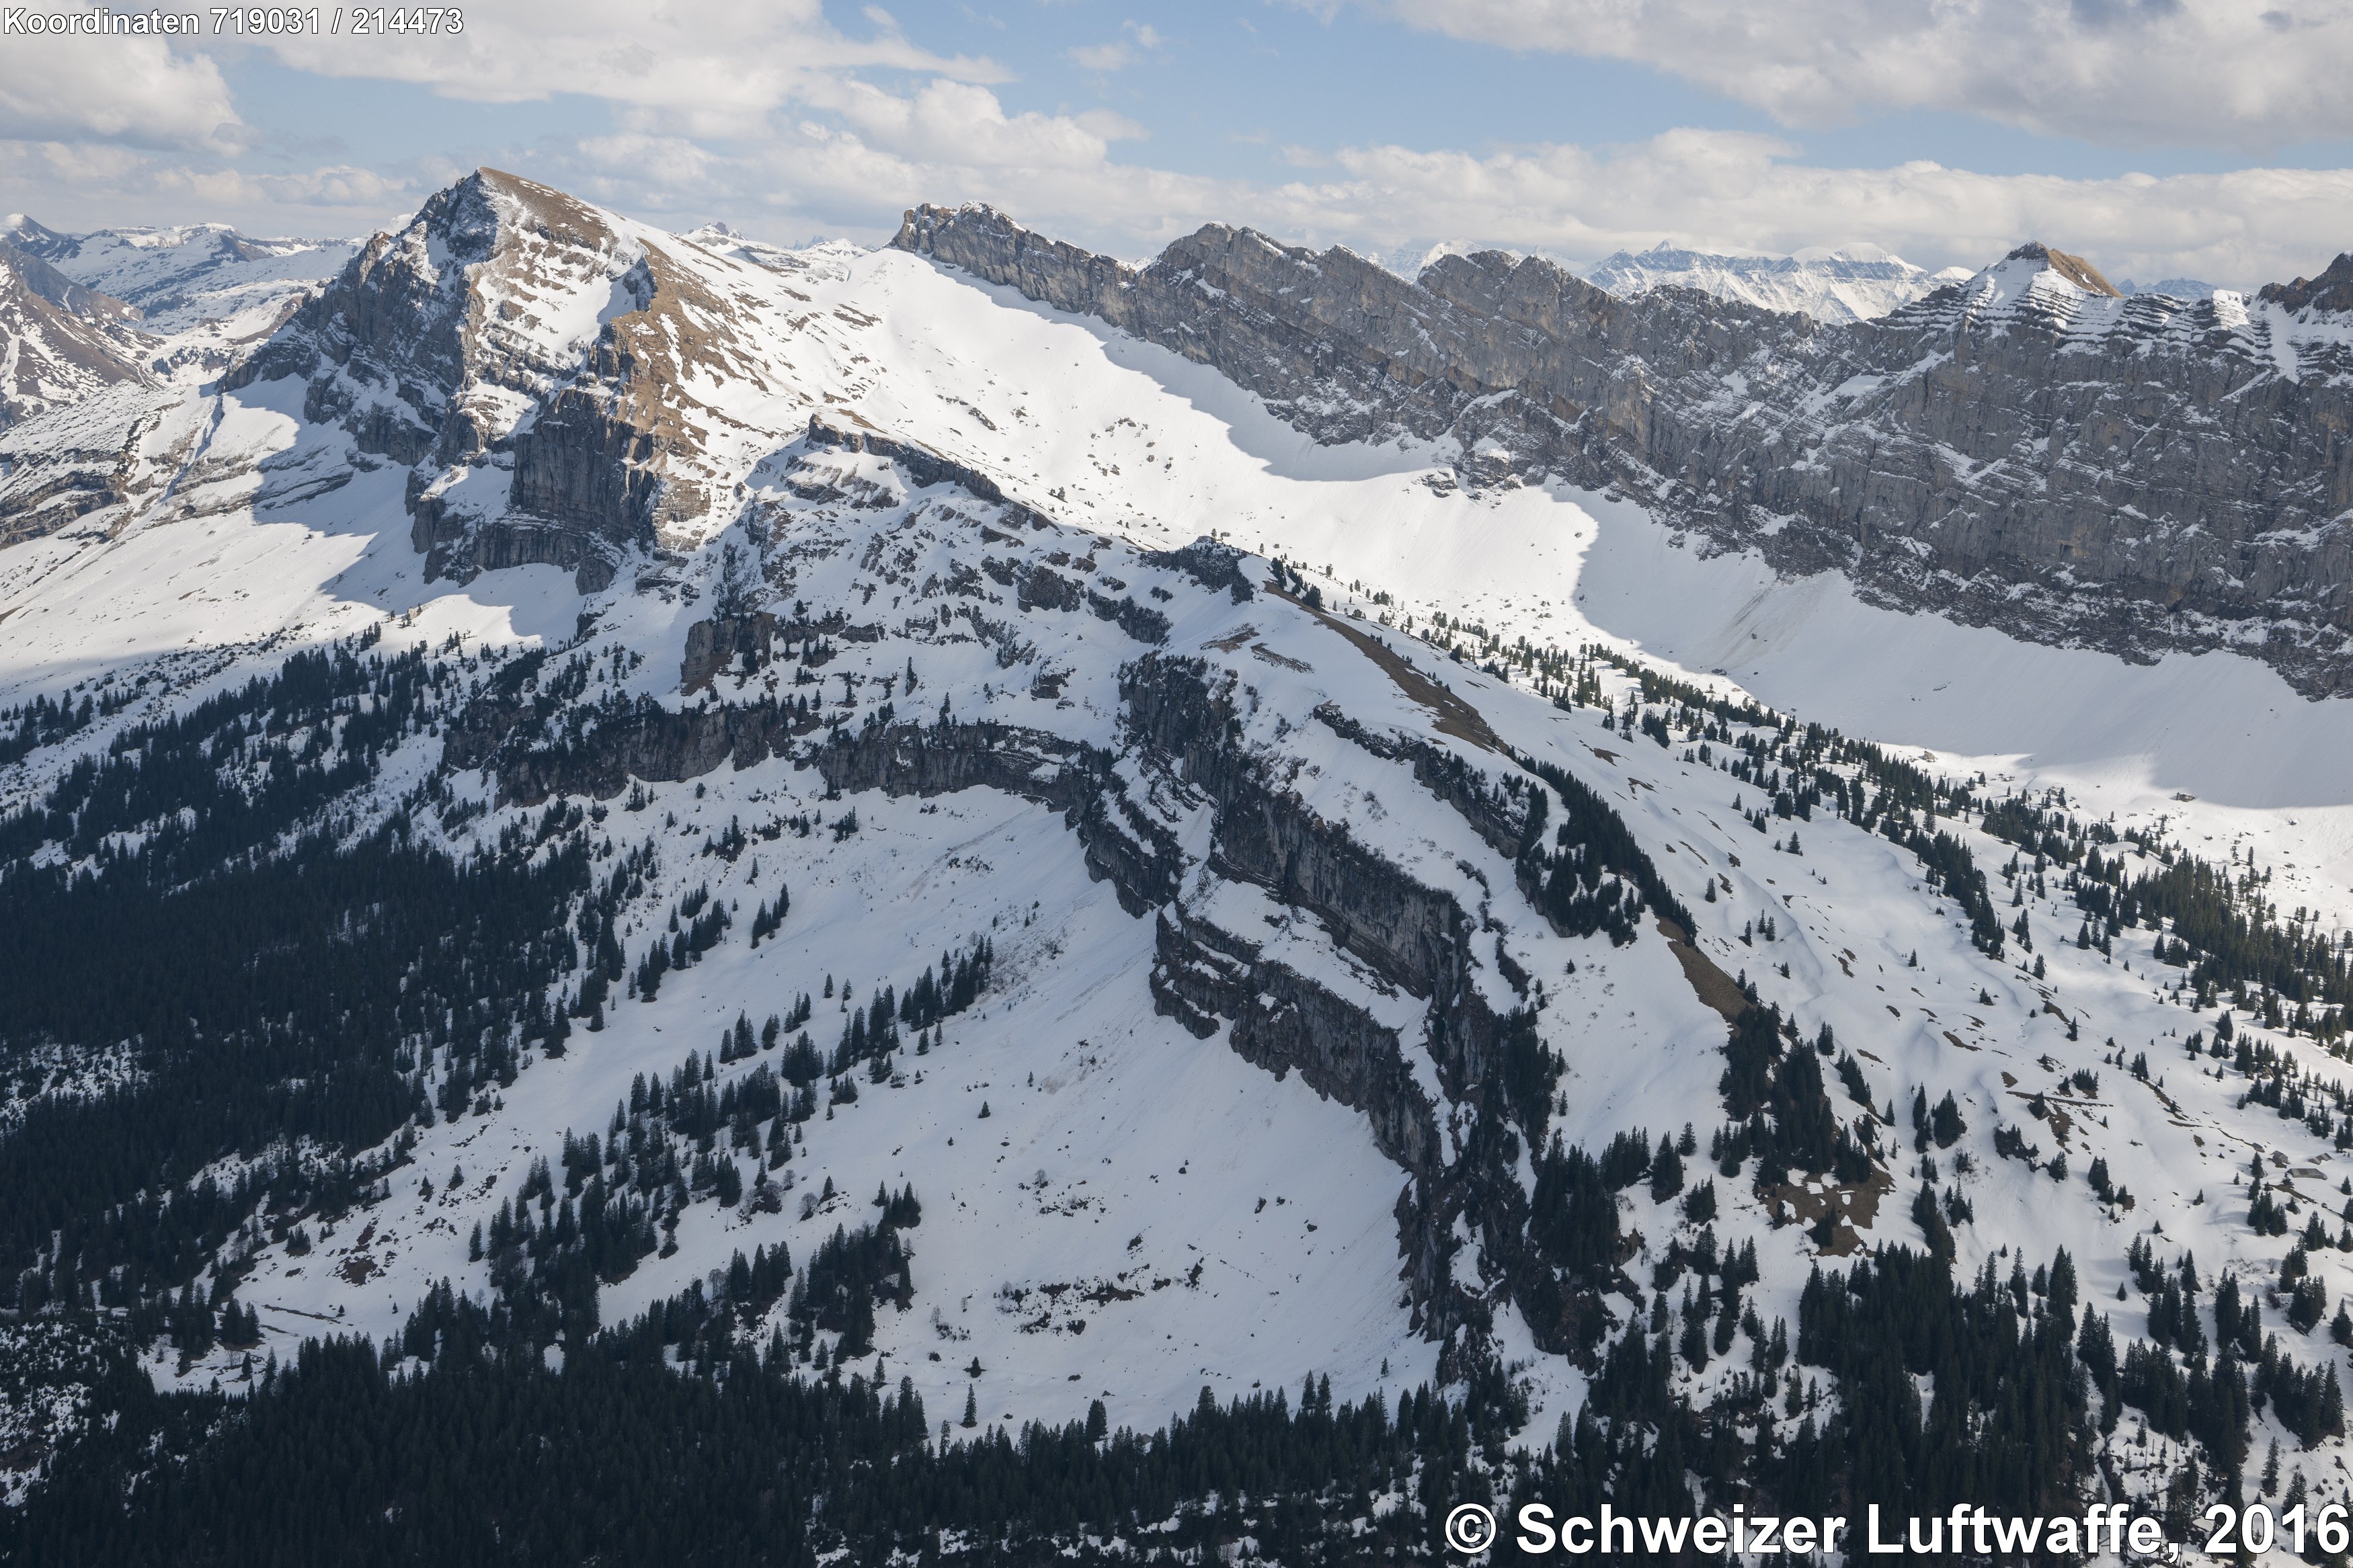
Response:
column 720, row 642
column 2027, row 450
column 1408, row 932
column 1415, row 939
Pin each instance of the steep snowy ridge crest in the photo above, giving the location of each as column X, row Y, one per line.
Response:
column 2195, row 498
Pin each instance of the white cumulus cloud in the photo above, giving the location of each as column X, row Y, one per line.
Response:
column 708, row 68
column 1737, row 192
column 963, row 124
column 129, row 89
column 2237, row 73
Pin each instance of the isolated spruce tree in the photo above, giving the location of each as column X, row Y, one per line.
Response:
column 1666, row 1173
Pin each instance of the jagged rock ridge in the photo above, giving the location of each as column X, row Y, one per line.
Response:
column 2026, row 450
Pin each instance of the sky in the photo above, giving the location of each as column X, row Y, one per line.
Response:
column 2203, row 138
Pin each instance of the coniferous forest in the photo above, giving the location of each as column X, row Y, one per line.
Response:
column 672, row 1437
column 272, row 993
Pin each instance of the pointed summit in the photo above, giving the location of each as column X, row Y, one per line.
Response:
column 33, row 238
column 2332, row 290
column 2073, row 268
column 546, row 369
column 2032, row 281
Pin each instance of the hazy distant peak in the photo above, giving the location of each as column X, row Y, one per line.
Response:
column 1854, row 282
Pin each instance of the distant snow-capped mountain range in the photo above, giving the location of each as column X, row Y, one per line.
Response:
column 84, row 312
column 1858, row 283
column 1854, row 283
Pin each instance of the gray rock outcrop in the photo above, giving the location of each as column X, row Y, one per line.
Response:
column 429, row 351
column 2137, row 475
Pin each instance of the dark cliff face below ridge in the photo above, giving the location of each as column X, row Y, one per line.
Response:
column 2133, row 475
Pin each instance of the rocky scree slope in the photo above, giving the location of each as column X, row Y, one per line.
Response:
column 2025, row 450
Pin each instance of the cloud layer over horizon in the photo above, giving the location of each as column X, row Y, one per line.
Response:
column 785, row 122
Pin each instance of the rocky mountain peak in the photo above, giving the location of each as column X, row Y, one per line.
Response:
column 547, row 371
column 438, row 336
column 2073, row 268
column 61, row 290
column 19, row 230
column 2332, row 290
column 64, row 341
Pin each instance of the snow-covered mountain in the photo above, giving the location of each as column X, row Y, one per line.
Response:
column 2188, row 289
column 2024, row 450
column 1068, row 846
column 205, row 293
column 1851, row 283
column 59, row 341
column 1856, row 283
